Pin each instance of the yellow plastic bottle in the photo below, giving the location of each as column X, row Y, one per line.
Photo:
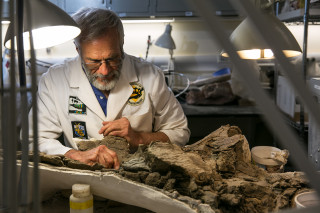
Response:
column 81, row 199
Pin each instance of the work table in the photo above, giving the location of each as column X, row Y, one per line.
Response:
column 194, row 110
column 202, row 120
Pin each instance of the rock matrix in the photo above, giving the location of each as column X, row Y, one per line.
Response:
column 215, row 174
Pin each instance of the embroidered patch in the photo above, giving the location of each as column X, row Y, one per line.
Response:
column 79, row 129
column 76, row 106
column 137, row 96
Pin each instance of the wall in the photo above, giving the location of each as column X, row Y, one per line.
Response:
column 196, row 51
column 195, row 47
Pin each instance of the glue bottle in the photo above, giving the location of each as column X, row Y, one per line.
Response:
column 81, row 199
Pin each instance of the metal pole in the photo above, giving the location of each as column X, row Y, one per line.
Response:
column 1, row 60
column 2, row 176
column 23, row 183
column 9, row 131
column 304, row 63
column 36, row 179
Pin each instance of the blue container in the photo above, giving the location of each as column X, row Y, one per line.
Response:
column 223, row 71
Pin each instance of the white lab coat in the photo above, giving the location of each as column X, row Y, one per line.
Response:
column 160, row 111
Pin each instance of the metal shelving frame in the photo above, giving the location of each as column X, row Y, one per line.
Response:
column 271, row 114
column 307, row 15
column 14, row 194
column 273, row 117
column 297, row 15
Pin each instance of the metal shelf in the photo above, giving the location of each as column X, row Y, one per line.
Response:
column 296, row 124
column 297, row 15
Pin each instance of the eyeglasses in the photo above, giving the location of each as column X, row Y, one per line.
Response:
column 110, row 62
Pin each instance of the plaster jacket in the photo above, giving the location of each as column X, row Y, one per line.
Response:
column 68, row 105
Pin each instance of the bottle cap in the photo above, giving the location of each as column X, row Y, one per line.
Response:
column 81, row 190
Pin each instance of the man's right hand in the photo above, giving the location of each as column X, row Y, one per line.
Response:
column 101, row 154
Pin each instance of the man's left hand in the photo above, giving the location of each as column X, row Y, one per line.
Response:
column 121, row 128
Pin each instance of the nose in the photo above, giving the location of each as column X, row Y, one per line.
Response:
column 104, row 69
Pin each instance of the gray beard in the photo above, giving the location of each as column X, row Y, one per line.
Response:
column 104, row 85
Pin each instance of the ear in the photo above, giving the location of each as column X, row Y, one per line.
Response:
column 77, row 48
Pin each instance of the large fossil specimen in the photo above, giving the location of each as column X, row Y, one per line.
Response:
column 215, row 174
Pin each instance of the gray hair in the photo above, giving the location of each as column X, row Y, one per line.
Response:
column 96, row 22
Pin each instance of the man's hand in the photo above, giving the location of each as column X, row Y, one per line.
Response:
column 101, row 154
column 122, row 128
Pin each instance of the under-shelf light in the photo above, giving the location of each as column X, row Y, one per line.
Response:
column 146, row 21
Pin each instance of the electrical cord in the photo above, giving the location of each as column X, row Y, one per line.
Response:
column 181, row 75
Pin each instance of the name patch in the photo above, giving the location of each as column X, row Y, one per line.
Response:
column 138, row 95
column 76, row 106
column 79, row 129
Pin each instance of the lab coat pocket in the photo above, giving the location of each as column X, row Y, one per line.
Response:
column 141, row 123
column 140, row 117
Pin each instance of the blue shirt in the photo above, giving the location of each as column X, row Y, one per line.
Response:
column 101, row 99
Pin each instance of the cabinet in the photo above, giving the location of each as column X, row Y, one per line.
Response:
column 173, row 8
column 164, row 8
column 150, row 8
column 71, row 6
column 130, row 8
column 5, row 10
column 145, row 8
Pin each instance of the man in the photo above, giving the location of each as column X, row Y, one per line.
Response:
column 104, row 91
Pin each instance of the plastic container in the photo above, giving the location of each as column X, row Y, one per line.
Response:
column 306, row 199
column 262, row 156
column 81, row 199
column 223, row 71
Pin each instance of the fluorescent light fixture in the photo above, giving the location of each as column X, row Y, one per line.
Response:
column 250, row 46
column 146, row 21
column 256, row 54
column 50, row 25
